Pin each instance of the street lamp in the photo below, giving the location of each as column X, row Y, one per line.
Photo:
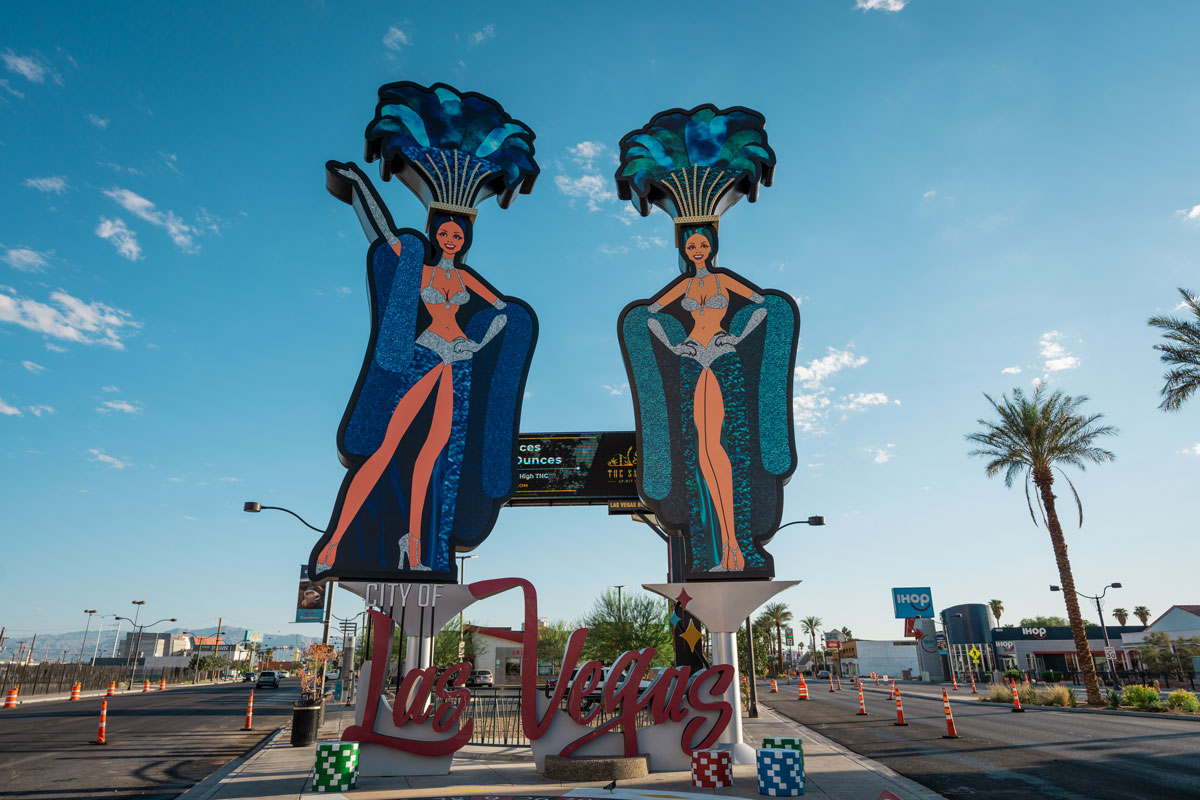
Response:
column 1100, row 611
column 89, row 612
column 462, row 572
column 252, row 507
column 620, row 611
column 140, row 628
column 137, row 613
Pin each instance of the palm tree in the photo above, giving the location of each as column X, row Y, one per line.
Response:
column 776, row 614
column 1181, row 351
column 1033, row 437
column 811, row 625
column 1142, row 613
column 997, row 607
column 1122, row 615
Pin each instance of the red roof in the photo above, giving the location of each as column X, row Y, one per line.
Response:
column 507, row 634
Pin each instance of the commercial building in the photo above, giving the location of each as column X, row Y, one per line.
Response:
column 881, row 656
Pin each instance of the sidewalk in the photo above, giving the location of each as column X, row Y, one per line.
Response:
column 278, row 771
column 120, row 690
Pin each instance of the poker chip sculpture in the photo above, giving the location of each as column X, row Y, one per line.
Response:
column 781, row 743
column 780, row 772
column 337, row 767
column 712, row 769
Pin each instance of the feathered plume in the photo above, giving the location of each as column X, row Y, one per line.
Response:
column 453, row 150
column 696, row 164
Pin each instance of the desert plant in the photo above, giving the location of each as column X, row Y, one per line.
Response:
column 997, row 607
column 1112, row 698
column 1057, row 696
column 1033, row 437
column 1145, row 697
column 1029, row 695
column 997, row 693
column 1142, row 613
column 1122, row 615
column 1183, row 700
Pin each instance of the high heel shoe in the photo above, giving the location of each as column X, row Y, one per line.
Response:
column 404, row 545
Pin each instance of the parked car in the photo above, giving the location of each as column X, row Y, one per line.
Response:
column 268, row 677
column 823, row 673
column 481, row 677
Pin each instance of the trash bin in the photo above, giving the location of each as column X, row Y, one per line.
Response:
column 306, row 721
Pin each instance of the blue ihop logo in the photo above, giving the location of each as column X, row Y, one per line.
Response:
column 912, row 602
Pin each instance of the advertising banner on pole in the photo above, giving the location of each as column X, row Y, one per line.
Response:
column 310, row 599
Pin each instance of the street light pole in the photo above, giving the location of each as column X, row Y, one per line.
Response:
column 462, row 579
column 1096, row 598
column 88, row 627
column 136, row 614
column 620, row 608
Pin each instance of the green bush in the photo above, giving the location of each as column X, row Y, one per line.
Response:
column 1145, row 697
column 1013, row 674
column 1112, row 698
column 1183, row 700
column 1051, row 676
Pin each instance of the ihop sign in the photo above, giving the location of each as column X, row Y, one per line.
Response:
column 912, row 602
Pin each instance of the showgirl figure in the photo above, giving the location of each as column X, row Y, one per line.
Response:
column 429, row 435
column 710, row 356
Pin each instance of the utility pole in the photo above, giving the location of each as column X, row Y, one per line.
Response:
column 217, row 641
column 20, row 651
column 2, row 630
column 90, row 612
column 31, row 645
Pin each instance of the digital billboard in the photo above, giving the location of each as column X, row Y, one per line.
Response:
column 590, row 468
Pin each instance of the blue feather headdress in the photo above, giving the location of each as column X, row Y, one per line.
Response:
column 695, row 164
column 452, row 149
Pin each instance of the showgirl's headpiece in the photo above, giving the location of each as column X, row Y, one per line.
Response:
column 695, row 164
column 453, row 150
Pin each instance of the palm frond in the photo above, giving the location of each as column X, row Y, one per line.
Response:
column 1078, row 502
column 1182, row 352
column 1028, row 502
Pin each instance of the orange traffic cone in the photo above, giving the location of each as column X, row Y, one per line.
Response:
column 10, row 699
column 876, row 678
column 774, row 686
column 112, row 689
column 831, row 682
column 892, row 691
column 74, row 691
column 899, row 710
column 1016, row 700
column 839, row 680
column 862, row 706
column 1026, row 678
column 162, row 684
column 973, row 683
column 250, row 713
column 951, row 732
column 103, row 722
column 145, row 685
column 802, row 691
column 954, row 678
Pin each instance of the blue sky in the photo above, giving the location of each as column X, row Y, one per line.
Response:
column 969, row 197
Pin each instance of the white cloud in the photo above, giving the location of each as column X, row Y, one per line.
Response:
column 1191, row 214
column 180, row 232
column 32, row 68
column 342, row 290
column 38, row 411
column 1055, row 354
column 821, row 368
column 69, row 318
column 55, row 184
column 53, row 348
column 121, row 236
column 882, row 454
column 103, row 458
column 36, row 369
column 1194, row 450
column 395, row 38
column 880, row 5
column 618, row 250
column 482, row 35
column 586, row 153
column 109, row 389
column 6, row 86
column 645, row 242
column 109, row 406
column 9, row 411
column 617, row 390
column 26, row 260
column 171, row 160
column 1011, row 370
column 98, row 121
column 812, row 400
column 594, row 187
column 232, row 480
column 858, row 402
column 209, row 221
column 930, row 193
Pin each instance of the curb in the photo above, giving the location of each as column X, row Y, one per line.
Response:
column 913, row 790
column 213, row 783
column 1110, row 712
column 50, row 698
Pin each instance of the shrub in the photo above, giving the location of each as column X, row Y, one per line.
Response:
column 1145, row 697
column 1057, row 696
column 1112, row 698
column 1051, row 676
column 1013, row 674
column 997, row 693
column 1028, row 695
column 1183, row 700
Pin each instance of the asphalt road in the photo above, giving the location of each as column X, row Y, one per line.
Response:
column 159, row 744
column 1001, row 755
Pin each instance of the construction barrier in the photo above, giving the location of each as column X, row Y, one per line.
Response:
column 250, row 713
column 839, row 681
column 951, row 732
column 162, row 684
column 10, row 699
column 145, row 686
column 892, row 691
column 112, row 689
column 862, row 706
column 899, row 710
column 712, row 769
column 103, row 722
column 802, row 690
column 831, row 682
column 1026, row 679
column 1016, row 700
column 954, row 678
column 973, row 683
column 75, row 689
column 774, row 686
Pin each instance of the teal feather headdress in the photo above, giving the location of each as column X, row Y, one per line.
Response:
column 452, row 149
column 695, row 164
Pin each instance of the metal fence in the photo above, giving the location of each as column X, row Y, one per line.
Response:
column 53, row 678
column 497, row 716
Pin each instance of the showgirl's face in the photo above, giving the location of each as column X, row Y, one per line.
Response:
column 450, row 238
column 697, row 249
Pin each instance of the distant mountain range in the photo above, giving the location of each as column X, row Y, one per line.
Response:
column 56, row 646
